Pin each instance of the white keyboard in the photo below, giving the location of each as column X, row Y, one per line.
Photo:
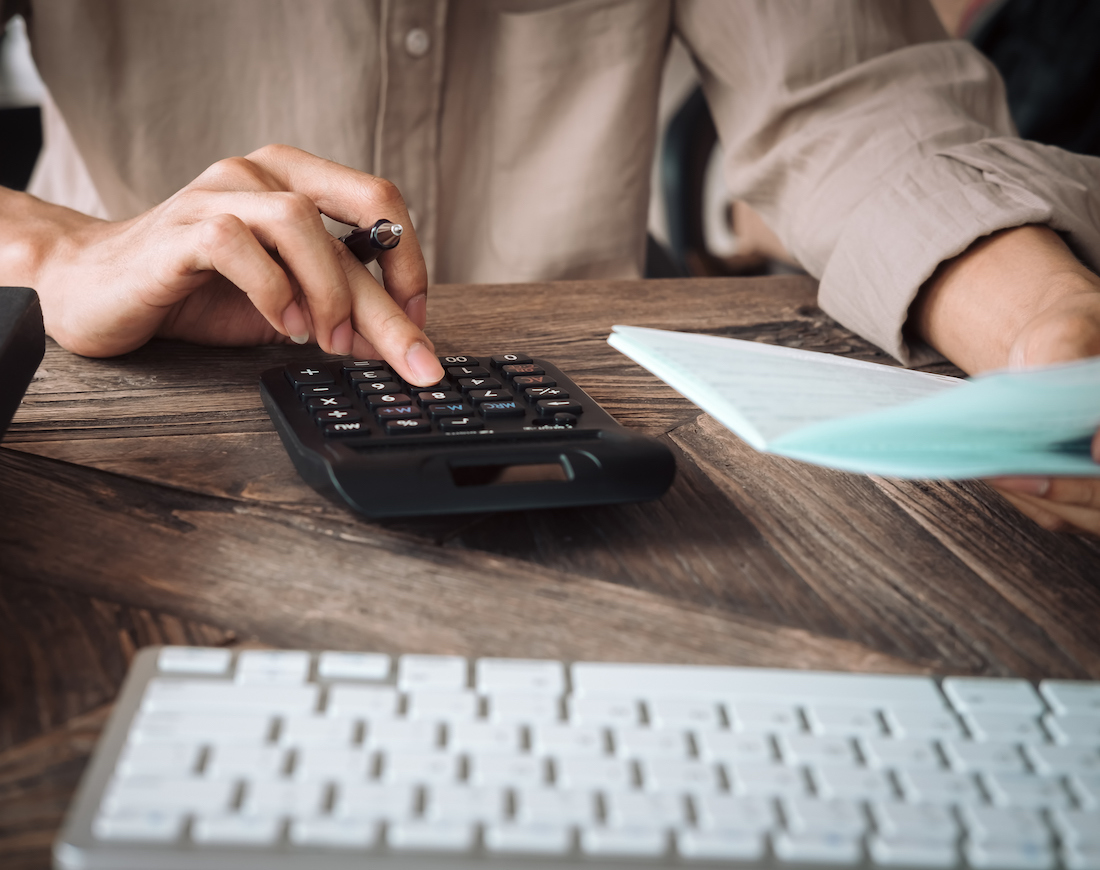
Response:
column 275, row 759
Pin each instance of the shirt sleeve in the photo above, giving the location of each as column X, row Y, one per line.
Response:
column 875, row 147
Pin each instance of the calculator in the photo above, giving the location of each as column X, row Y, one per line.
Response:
column 499, row 432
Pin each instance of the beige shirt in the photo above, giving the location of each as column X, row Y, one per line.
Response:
column 521, row 132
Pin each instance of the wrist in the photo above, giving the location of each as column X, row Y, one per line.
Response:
column 984, row 309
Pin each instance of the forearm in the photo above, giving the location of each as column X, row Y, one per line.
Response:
column 30, row 230
column 1017, row 297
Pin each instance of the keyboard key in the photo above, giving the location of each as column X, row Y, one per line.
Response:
column 1074, row 729
column 431, row 672
column 505, row 359
column 431, row 836
column 341, row 429
column 310, row 392
column 374, row 801
column 442, row 706
column 1025, row 790
column 1064, row 759
column 533, row 394
column 353, row 666
column 1004, row 824
column 340, row 415
column 974, row 694
column 235, row 761
column 810, row 815
column 167, row 794
column 510, row 370
column 1003, row 725
column 915, row 723
column 852, row 782
column 1010, row 856
column 546, row 806
column 502, row 408
column 524, row 382
column 731, row 746
column 721, row 845
column 463, row 803
column 406, row 427
column 494, row 395
column 430, row 397
column 812, row 749
column 885, row 753
column 193, row 660
column 582, row 773
column 890, row 851
column 965, row 755
column 1086, row 786
column 283, row 798
column 939, row 787
column 679, row 775
column 1071, row 696
column 683, row 713
column 423, row 768
column 914, row 822
column 471, row 371
column 1078, row 827
column 522, row 676
column 334, row 833
column 448, row 411
column 461, row 424
column 166, row 726
column 332, row 762
column 377, row 388
column 379, row 401
column 309, row 375
column 398, row 412
column 371, row 701
column 520, row 771
column 405, row 734
column 158, row 759
column 529, row 839
column 192, row 696
column 724, row 812
column 144, row 826
column 360, row 364
column 568, row 740
column 649, row 743
column 604, row 711
column 761, row 779
column 375, row 374
column 235, row 830
column 818, row 848
column 550, row 407
column 468, row 384
column 482, row 737
column 330, row 731
column 763, row 716
column 626, row 842
column 322, row 403
column 834, row 720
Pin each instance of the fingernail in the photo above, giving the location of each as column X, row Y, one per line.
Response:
column 341, row 338
column 1039, row 486
column 294, row 322
column 424, row 365
column 416, row 309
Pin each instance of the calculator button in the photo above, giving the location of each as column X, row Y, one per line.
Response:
column 549, row 407
column 521, row 382
column 367, row 388
column 460, row 424
column 406, row 411
column 309, row 375
column 352, row 365
column 533, row 394
column 394, row 427
column 467, row 371
column 479, row 396
column 448, row 409
column 385, row 400
column 322, row 403
column 430, row 397
column 356, row 428
column 564, row 419
column 340, row 415
column 447, row 361
column 528, row 368
column 506, row 359
column 467, row 384
column 371, row 375
column 310, row 392
column 508, row 408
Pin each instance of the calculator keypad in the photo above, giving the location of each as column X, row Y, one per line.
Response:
column 365, row 397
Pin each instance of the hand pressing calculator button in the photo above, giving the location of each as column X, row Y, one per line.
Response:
column 500, row 432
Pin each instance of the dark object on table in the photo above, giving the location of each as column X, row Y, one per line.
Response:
column 22, row 346
column 505, row 432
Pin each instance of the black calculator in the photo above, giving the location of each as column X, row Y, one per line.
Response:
column 502, row 432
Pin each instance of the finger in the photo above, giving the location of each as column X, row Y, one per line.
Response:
column 379, row 320
column 1055, row 516
column 224, row 244
column 1080, row 491
column 355, row 198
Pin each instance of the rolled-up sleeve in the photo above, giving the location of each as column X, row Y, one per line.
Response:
column 875, row 147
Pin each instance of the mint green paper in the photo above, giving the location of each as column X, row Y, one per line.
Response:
column 877, row 419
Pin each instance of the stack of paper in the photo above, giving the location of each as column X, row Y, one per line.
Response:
column 879, row 419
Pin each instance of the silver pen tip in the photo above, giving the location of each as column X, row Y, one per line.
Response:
column 396, row 229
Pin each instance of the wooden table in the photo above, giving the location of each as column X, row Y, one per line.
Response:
column 147, row 499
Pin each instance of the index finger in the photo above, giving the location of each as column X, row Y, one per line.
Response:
column 356, row 198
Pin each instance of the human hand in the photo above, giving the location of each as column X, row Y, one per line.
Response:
column 241, row 256
column 1016, row 299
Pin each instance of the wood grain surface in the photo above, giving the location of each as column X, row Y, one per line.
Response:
column 147, row 499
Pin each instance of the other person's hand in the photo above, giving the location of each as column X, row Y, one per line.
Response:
column 241, row 256
column 1015, row 299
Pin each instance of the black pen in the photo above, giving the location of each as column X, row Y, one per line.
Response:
column 368, row 242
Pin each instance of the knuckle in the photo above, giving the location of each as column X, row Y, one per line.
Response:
column 275, row 151
column 294, row 208
column 221, row 230
column 228, row 172
column 388, row 192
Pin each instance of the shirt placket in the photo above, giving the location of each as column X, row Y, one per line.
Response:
column 407, row 133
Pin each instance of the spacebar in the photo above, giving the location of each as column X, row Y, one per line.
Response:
column 684, row 681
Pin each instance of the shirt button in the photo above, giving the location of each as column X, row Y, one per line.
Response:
column 417, row 42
